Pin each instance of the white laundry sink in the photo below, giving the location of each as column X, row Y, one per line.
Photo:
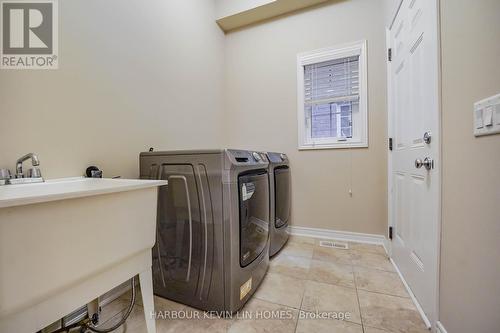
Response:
column 65, row 242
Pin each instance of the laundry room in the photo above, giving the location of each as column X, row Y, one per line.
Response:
column 249, row 166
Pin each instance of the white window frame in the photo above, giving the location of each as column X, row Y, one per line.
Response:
column 328, row 54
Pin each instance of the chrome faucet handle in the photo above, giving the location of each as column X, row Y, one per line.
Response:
column 34, row 173
column 5, row 174
column 19, row 164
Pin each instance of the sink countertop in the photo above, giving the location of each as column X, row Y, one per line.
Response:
column 68, row 188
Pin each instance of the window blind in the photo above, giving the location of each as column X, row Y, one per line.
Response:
column 332, row 81
column 331, row 98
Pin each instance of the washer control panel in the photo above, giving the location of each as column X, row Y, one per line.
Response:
column 277, row 157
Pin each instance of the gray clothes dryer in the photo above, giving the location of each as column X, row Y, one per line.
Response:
column 279, row 180
column 212, row 247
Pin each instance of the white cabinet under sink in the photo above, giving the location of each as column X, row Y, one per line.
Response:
column 64, row 243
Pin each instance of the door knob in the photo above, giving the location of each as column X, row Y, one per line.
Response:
column 428, row 163
column 418, row 163
column 427, row 137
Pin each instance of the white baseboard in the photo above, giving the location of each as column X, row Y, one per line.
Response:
column 339, row 235
column 413, row 298
column 440, row 328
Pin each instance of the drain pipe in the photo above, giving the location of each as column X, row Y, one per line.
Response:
column 88, row 325
column 92, row 328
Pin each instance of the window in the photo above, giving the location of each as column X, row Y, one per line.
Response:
column 332, row 97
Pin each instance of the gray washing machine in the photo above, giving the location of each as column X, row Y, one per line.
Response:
column 279, row 180
column 212, row 247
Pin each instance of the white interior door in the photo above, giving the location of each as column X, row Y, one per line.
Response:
column 414, row 162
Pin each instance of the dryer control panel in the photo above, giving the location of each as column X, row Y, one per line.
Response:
column 246, row 157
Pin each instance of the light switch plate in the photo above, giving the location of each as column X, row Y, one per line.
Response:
column 487, row 116
column 478, row 118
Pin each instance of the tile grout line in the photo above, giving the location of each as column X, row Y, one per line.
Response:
column 300, row 309
column 375, row 269
column 380, row 329
column 307, row 279
column 386, row 294
column 357, row 297
column 280, row 304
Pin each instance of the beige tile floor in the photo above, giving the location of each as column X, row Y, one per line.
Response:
column 304, row 278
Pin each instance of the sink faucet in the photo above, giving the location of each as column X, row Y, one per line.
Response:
column 19, row 165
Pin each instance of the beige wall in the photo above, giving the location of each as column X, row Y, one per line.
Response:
column 132, row 75
column 470, row 246
column 261, row 112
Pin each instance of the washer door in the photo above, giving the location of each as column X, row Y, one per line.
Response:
column 281, row 196
column 254, row 214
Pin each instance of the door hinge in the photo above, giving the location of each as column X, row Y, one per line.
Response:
column 389, row 54
column 390, row 143
column 390, row 233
